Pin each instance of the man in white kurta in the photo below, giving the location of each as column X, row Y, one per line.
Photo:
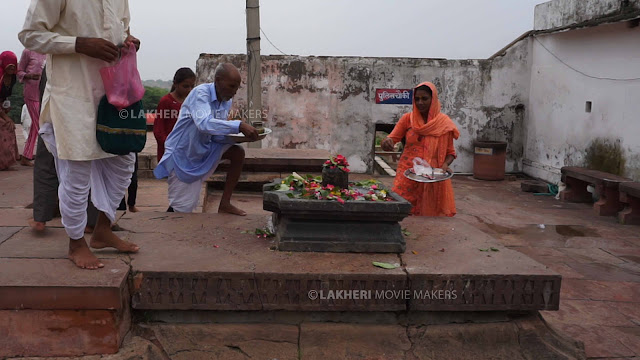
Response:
column 80, row 37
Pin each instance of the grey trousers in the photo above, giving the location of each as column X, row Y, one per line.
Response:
column 45, row 188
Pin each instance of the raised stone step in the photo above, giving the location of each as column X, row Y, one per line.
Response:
column 48, row 307
column 212, row 265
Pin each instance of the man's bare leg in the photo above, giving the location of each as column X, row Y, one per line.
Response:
column 82, row 256
column 104, row 237
column 38, row 226
column 235, row 154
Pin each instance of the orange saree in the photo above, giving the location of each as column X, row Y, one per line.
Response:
column 431, row 140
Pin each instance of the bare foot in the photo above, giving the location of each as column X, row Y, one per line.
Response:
column 133, row 208
column 106, row 238
column 82, row 256
column 25, row 162
column 37, row 225
column 88, row 229
column 230, row 209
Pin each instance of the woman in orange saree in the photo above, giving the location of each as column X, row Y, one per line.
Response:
column 429, row 135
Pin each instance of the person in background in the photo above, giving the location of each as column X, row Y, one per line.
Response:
column 45, row 184
column 29, row 72
column 429, row 136
column 77, row 50
column 25, row 119
column 8, row 142
column 198, row 143
column 132, row 192
column 169, row 106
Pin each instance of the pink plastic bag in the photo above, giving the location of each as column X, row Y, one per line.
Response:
column 122, row 82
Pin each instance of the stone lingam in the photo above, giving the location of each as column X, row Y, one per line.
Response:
column 312, row 214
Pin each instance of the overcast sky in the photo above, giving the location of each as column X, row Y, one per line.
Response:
column 173, row 34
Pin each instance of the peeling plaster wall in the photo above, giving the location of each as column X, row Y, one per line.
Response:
column 562, row 13
column 328, row 102
column 560, row 132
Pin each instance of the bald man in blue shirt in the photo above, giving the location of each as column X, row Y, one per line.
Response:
column 198, row 142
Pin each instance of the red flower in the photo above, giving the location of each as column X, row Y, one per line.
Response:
column 340, row 200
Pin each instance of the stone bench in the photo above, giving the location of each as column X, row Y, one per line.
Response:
column 281, row 160
column 577, row 179
column 630, row 196
column 262, row 166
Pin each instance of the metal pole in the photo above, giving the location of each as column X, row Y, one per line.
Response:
column 254, row 68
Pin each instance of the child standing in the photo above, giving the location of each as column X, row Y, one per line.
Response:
column 169, row 106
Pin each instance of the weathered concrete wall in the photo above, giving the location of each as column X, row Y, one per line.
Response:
column 328, row 102
column 560, row 131
column 566, row 13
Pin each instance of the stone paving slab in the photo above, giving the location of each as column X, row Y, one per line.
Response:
column 50, row 284
column 8, row 232
column 15, row 217
column 53, row 243
column 600, row 341
column 583, row 312
column 229, row 341
column 580, row 289
column 451, row 255
column 353, row 341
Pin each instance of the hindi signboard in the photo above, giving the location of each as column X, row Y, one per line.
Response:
column 394, row 96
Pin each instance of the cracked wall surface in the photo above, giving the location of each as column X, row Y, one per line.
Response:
column 329, row 102
column 565, row 13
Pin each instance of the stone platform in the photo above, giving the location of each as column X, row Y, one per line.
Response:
column 206, row 262
column 210, row 262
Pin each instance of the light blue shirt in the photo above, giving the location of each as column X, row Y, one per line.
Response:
column 196, row 142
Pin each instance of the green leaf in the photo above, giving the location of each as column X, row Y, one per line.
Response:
column 367, row 183
column 483, row 249
column 384, row 265
column 494, row 249
column 406, row 232
column 291, row 196
column 282, row 187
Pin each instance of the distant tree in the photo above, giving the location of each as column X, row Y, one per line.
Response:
column 150, row 100
column 17, row 100
column 152, row 97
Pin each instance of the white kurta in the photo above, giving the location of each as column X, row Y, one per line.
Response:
column 74, row 86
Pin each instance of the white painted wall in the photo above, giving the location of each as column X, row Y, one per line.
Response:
column 561, row 13
column 559, row 130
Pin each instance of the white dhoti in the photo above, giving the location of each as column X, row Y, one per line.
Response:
column 108, row 180
column 184, row 197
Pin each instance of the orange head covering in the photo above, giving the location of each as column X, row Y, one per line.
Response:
column 437, row 123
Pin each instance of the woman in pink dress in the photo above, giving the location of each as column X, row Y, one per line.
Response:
column 29, row 72
column 8, row 144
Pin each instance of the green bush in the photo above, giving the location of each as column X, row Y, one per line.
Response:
column 17, row 100
column 150, row 100
column 152, row 96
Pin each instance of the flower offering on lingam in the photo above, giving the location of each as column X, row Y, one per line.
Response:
column 337, row 162
column 335, row 172
column 326, row 187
